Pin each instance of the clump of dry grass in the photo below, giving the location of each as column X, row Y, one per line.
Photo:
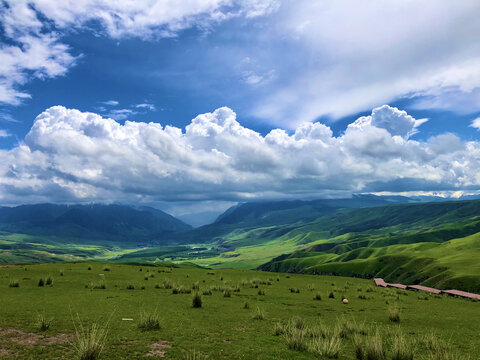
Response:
column 394, row 314
column 328, row 347
column 149, row 321
column 296, row 339
column 402, row 349
column 89, row 342
column 259, row 314
column 374, row 349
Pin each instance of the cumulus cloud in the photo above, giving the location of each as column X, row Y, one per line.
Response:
column 34, row 27
column 396, row 122
column 70, row 155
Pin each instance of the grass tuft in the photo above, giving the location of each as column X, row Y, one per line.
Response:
column 197, row 300
column 43, row 322
column 89, row 342
column 296, row 339
column 394, row 314
column 149, row 321
column 259, row 314
column 402, row 349
column 374, row 348
column 328, row 347
column 14, row 284
column 98, row 286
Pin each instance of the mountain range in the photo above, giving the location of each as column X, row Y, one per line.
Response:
column 119, row 223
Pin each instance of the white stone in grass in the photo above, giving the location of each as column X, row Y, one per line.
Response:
column 345, row 301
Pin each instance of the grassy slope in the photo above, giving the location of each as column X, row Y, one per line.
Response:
column 221, row 328
column 452, row 264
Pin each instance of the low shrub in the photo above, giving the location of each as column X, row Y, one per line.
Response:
column 14, row 284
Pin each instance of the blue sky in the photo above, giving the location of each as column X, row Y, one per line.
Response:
column 276, row 64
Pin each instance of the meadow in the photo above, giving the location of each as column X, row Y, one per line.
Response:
column 120, row 311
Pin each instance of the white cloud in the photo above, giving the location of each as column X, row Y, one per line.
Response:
column 110, row 102
column 34, row 28
column 38, row 57
column 476, row 123
column 121, row 114
column 5, row 116
column 4, row 133
column 396, row 122
column 145, row 106
column 340, row 57
column 69, row 155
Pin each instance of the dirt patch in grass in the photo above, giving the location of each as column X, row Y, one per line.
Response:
column 30, row 339
column 5, row 353
column 158, row 348
column 60, row 338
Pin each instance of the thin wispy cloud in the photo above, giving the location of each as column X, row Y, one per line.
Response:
column 6, row 117
column 146, row 106
column 110, row 102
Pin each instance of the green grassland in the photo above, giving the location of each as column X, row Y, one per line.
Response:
column 435, row 327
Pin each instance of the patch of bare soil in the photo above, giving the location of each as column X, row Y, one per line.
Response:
column 5, row 353
column 30, row 339
column 158, row 348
